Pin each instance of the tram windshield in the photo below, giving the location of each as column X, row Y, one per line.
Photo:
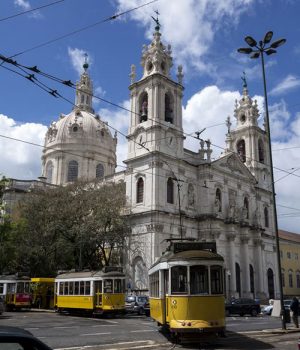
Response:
column 108, row 286
column 199, row 279
column 179, row 280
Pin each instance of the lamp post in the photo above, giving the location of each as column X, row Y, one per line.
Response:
column 256, row 50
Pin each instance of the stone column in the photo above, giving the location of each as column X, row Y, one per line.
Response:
column 231, row 277
column 245, row 267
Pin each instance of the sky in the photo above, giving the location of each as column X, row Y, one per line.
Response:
column 204, row 35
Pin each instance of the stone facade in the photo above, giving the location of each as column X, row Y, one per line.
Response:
column 174, row 192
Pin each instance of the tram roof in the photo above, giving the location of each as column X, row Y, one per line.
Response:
column 14, row 278
column 89, row 274
column 189, row 255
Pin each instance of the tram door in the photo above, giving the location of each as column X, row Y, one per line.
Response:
column 98, row 293
column 165, row 293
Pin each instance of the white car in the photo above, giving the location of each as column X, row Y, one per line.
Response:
column 267, row 310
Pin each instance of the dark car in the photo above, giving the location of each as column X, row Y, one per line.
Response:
column 137, row 304
column 14, row 338
column 242, row 307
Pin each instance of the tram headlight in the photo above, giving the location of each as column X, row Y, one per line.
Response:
column 174, row 302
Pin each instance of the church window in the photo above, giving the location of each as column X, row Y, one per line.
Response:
column 282, row 278
column 290, row 278
column 241, row 150
column 140, row 190
column 143, row 107
column 87, row 100
column 99, row 171
column 246, row 208
column 72, row 171
column 82, row 99
column 266, row 216
column 261, row 151
column 168, row 109
column 238, row 278
column 218, row 201
column 251, row 272
column 75, row 128
column 170, row 191
column 49, row 172
column 298, row 279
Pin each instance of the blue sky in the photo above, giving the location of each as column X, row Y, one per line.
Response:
column 204, row 35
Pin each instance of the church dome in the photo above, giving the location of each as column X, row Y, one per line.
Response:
column 79, row 144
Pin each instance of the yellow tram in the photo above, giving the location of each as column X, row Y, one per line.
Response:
column 97, row 292
column 15, row 291
column 187, row 289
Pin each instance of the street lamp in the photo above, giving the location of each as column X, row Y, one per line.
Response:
column 256, row 50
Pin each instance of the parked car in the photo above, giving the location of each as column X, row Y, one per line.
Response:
column 137, row 304
column 242, row 307
column 2, row 305
column 14, row 338
column 267, row 310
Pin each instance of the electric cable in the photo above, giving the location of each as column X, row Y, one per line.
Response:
column 31, row 10
column 113, row 17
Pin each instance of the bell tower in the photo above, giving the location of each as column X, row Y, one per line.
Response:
column 248, row 139
column 156, row 103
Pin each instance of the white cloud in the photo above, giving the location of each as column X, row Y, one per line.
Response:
column 25, row 6
column 119, row 120
column 196, row 23
column 18, row 159
column 289, row 83
column 77, row 57
column 209, row 109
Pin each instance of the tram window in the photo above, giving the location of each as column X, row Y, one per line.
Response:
column 61, row 288
column 98, row 287
column 179, row 279
column 27, row 287
column 11, row 288
column 154, row 285
column 76, row 288
column 66, row 288
column 20, row 287
column 216, row 279
column 71, row 288
column 117, row 286
column 1, row 288
column 199, row 279
column 108, row 285
column 81, row 288
column 87, row 288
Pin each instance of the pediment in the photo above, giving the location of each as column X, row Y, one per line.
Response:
column 232, row 164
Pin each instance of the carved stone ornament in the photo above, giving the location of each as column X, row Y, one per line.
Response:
column 230, row 236
column 158, row 228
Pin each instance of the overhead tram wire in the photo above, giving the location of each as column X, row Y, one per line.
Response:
column 113, row 17
column 72, row 85
column 31, row 10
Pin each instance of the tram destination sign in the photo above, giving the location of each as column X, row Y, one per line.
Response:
column 183, row 246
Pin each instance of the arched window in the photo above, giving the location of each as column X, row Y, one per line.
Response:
column 99, row 171
column 82, row 99
column 140, row 190
column 282, row 278
column 72, row 171
column 246, row 209
column 218, row 201
column 266, row 216
column 143, row 107
column 261, row 151
column 49, row 172
column 271, row 288
column 241, row 150
column 170, row 191
column 291, row 278
column 238, row 278
column 251, row 273
column 168, row 109
column 298, row 279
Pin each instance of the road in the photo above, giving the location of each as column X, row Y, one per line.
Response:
column 140, row 332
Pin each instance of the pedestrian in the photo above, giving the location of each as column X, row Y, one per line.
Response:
column 295, row 310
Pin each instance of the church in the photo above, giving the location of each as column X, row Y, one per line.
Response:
column 174, row 192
